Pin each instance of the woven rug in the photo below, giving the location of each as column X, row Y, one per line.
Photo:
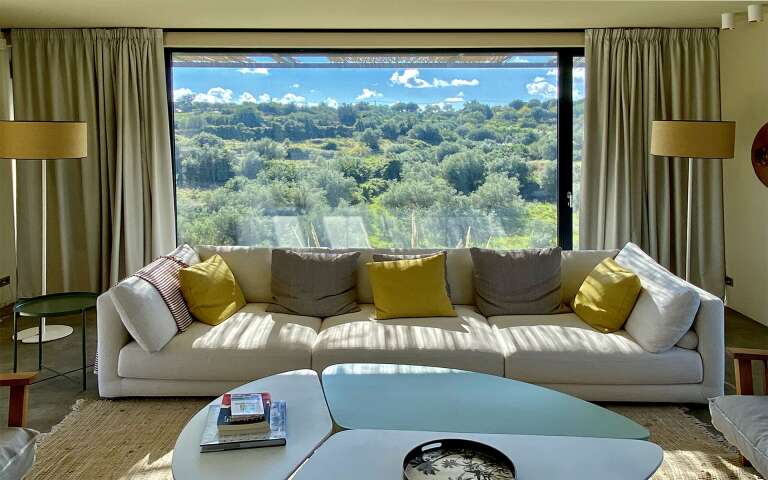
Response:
column 133, row 439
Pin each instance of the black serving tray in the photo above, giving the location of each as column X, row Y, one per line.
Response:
column 452, row 458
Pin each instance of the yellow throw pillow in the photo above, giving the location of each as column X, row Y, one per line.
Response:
column 211, row 291
column 410, row 288
column 607, row 296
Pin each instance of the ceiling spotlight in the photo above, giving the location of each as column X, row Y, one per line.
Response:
column 755, row 13
column 727, row 21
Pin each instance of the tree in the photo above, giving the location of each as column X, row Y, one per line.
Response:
column 465, row 171
column 427, row 133
column 269, row 149
column 370, row 137
column 251, row 165
column 347, row 114
column 500, row 195
column 445, row 149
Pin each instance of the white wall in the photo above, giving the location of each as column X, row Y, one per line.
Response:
column 744, row 77
column 7, row 243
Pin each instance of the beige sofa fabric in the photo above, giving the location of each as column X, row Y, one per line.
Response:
column 251, row 266
column 250, row 344
column 564, row 349
column 466, row 342
column 576, row 265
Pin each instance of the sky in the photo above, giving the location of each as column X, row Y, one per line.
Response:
column 444, row 87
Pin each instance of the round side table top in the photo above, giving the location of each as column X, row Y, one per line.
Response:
column 56, row 304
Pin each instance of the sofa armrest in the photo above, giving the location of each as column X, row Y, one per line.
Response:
column 709, row 325
column 112, row 337
column 18, row 398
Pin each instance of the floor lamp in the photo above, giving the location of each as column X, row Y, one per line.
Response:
column 692, row 139
column 42, row 141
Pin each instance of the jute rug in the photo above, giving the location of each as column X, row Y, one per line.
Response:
column 134, row 439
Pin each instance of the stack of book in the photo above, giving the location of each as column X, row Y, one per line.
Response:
column 244, row 420
column 244, row 413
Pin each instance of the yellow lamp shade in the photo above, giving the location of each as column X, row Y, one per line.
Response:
column 693, row 139
column 43, row 140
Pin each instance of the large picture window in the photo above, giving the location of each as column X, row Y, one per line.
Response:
column 374, row 149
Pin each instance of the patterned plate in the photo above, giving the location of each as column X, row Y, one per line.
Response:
column 457, row 459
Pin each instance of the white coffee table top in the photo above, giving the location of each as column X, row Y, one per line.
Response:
column 309, row 424
column 378, row 455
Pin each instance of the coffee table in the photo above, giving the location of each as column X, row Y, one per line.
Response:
column 308, row 426
column 378, row 455
column 403, row 397
column 381, row 402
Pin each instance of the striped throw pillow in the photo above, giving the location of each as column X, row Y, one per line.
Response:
column 163, row 274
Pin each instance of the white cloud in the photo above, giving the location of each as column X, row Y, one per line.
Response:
column 290, row 98
column 410, row 78
column 265, row 98
column 552, row 72
column 579, row 72
column 332, row 102
column 518, row 59
column 540, row 87
column 296, row 85
column 368, row 93
column 459, row 82
column 247, row 97
column 214, row 95
column 254, row 71
column 181, row 92
column 456, row 99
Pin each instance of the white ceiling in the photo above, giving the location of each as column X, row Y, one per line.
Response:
column 363, row 14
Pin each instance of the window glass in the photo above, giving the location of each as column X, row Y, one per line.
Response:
column 368, row 149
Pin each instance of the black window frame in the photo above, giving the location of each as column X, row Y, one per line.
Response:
column 565, row 56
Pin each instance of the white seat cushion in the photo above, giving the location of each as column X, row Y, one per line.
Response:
column 743, row 421
column 17, row 452
column 465, row 342
column 563, row 349
column 250, row 344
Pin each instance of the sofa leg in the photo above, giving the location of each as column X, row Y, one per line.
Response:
column 743, row 461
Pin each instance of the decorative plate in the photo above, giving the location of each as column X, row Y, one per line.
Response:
column 760, row 154
column 457, row 459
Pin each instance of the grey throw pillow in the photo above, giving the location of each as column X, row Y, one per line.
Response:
column 390, row 257
column 313, row 283
column 517, row 282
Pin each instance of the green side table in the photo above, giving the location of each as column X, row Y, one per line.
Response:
column 53, row 305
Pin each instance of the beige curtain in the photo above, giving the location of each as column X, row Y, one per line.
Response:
column 112, row 212
column 7, row 228
column 671, row 207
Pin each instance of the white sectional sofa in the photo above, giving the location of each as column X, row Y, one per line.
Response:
column 558, row 351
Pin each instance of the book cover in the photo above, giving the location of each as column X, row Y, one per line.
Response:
column 213, row 441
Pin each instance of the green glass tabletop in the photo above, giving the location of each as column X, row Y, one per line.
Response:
column 56, row 304
column 403, row 397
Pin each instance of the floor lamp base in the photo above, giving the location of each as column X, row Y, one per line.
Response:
column 50, row 333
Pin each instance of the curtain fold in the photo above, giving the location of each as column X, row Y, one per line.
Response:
column 7, row 224
column 111, row 213
column 671, row 207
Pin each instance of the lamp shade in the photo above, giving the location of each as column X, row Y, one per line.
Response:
column 693, row 139
column 43, row 140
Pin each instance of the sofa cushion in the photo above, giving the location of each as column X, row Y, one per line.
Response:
column 563, row 349
column 510, row 282
column 665, row 308
column 465, row 342
column 607, row 296
column 17, row 452
column 575, row 265
column 390, row 257
column 743, row 421
column 144, row 313
column 250, row 344
column 251, row 266
column 410, row 288
column 321, row 284
column 211, row 290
